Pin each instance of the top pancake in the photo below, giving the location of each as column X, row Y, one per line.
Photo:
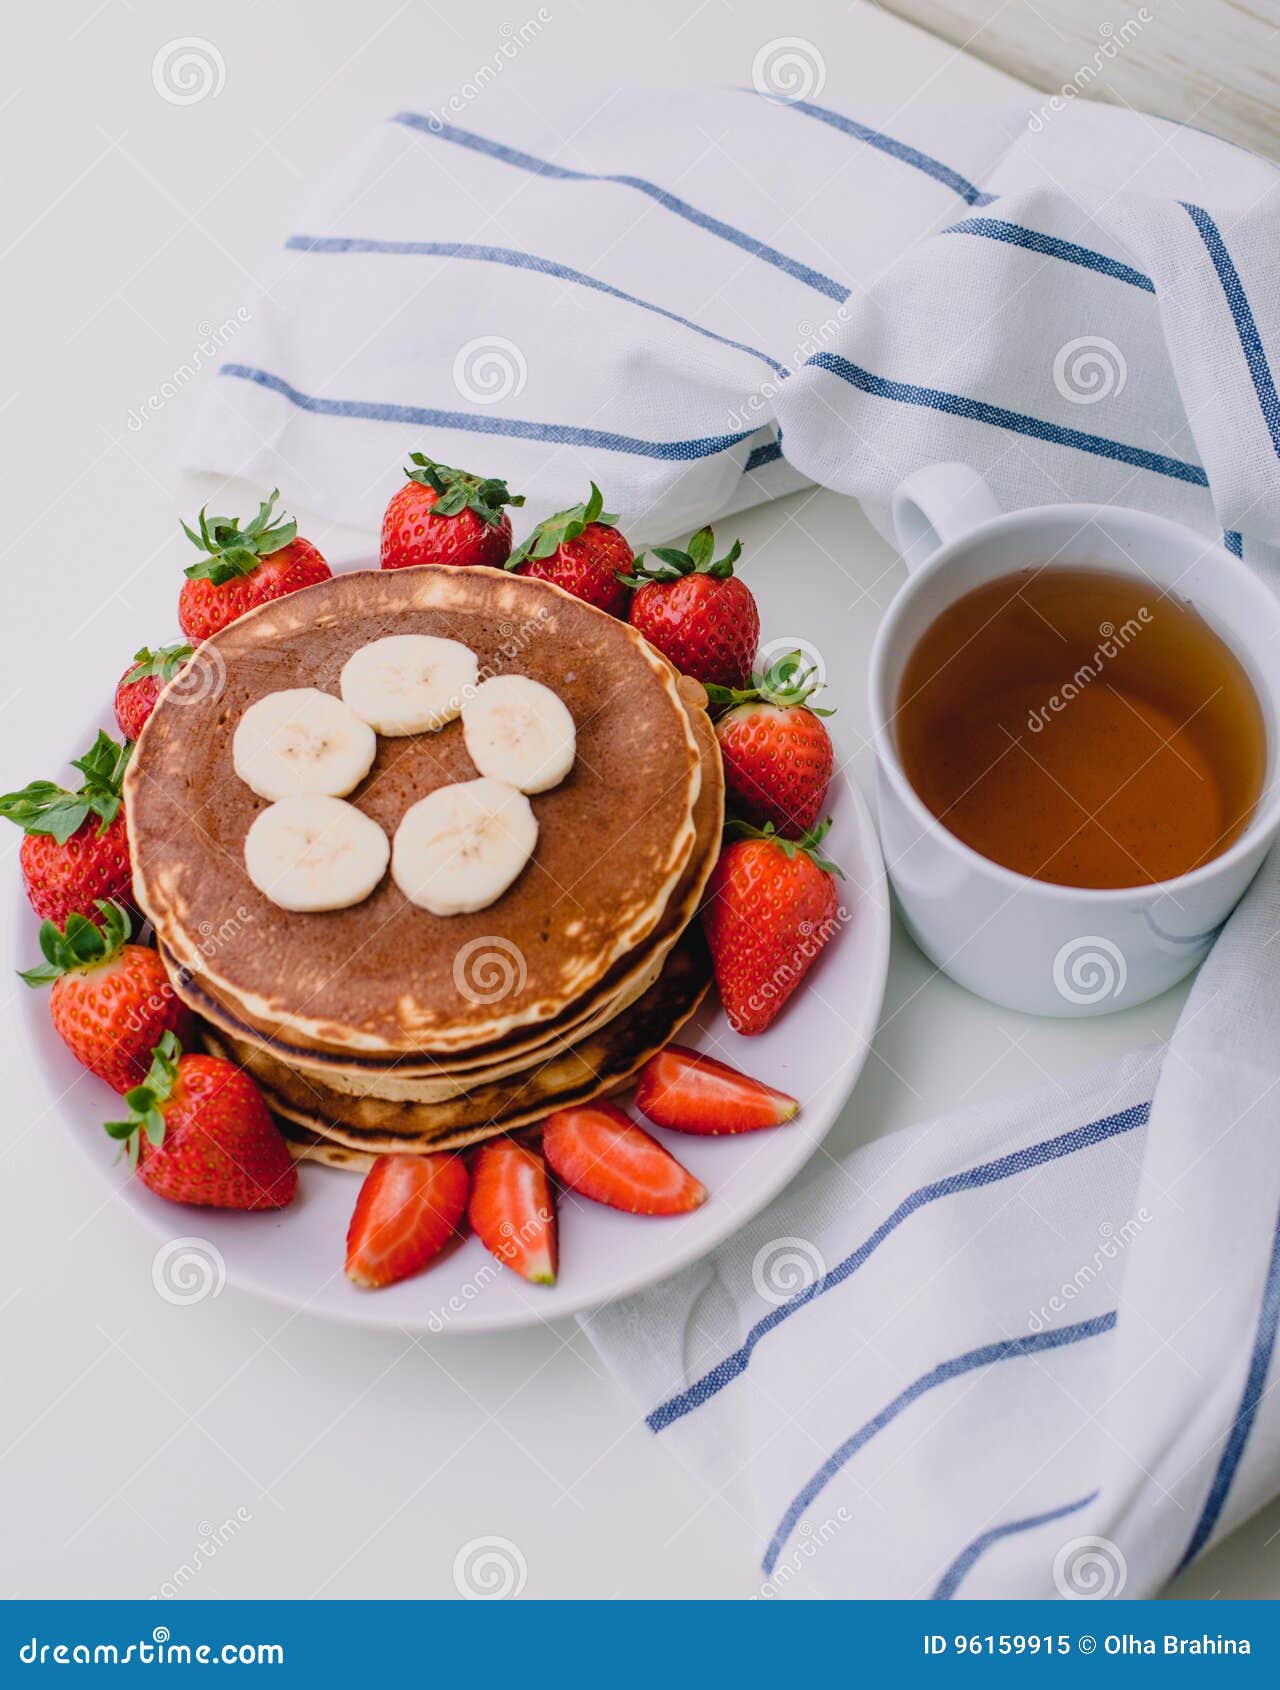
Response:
column 386, row 975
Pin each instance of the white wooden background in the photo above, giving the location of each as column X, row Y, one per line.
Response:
column 1215, row 63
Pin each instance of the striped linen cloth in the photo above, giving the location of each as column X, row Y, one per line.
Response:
column 1020, row 1351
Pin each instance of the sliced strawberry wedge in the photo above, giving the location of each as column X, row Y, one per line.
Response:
column 407, row 1211
column 512, row 1210
column 691, row 1093
column 597, row 1150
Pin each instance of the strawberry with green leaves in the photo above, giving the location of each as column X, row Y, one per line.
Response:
column 770, row 908
column 582, row 551
column 142, row 683
column 696, row 611
column 777, row 754
column 198, row 1131
column 111, row 1001
column 76, row 849
column 243, row 568
column 445, row 515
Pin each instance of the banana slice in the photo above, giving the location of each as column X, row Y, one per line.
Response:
column 302, row 741
column 519, row 731
column 409, row 683
column 315, row 853
column 461, row 847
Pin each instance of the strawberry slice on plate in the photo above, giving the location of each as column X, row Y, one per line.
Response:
column 691, row 1093
column 598, row 1151
column 408, row 1209
column 512, row 1209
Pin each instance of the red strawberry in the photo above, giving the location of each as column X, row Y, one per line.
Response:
column 408, row 1209
column 111, row 1001
column 141, row 684
column 243, row 568
column 199, row 1132
column 691, row 1093
column 444, row 515
column 76, row 851
column 582, row 551
column 770, row 908
column 512, row 1211
column 776, row 753
column 695, row 610
column 598, row 1151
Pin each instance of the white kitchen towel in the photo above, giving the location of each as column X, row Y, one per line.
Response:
column 1017, row 1351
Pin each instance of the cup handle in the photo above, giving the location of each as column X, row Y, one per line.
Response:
column 937, row 505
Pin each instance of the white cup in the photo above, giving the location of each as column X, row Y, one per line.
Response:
column 1030, row 944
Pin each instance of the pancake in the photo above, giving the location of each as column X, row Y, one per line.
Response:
column 386, row 976
column 436, row 1079
column 598, row 1064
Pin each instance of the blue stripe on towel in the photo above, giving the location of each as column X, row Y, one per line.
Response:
column 970, row 1179
column 1233, row 540
column 967, row 1558
column 1264, row 1344
column 1017, row 234
column 517, row 261
column 1241, row 311
column 978, row 410
column 1007, row 1349
column 560, row 434
column 680, row 208
column 886, row 144
column 769, row 453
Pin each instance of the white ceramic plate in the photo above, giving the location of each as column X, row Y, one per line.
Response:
column 814, row 1050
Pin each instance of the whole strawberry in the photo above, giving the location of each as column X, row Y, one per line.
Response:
column 199, row 1132
column 582, row 551
column 76, row 850
column 111, row 1001
column 776, row 752
column 695, row 610
column 243, row 568
column 444, row 515
column 770, row 908
column 141, row 684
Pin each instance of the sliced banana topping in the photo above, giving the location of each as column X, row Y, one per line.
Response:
column 409, row 683
column 315, row 853
column 302, row 741
column 461, row 847
column 519, row 731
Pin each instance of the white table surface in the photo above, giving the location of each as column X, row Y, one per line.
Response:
column 345, row 1464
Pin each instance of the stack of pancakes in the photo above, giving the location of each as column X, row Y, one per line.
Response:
column 383, row 1027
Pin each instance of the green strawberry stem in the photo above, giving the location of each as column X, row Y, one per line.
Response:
column 700, row 559
column 457, row 490
column 556, row 531
column 164, row 663
column 233, row 551
column 81, row 944
column 807, row 844
column 145, row 1114
column 45, row 807
column 788, row 682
